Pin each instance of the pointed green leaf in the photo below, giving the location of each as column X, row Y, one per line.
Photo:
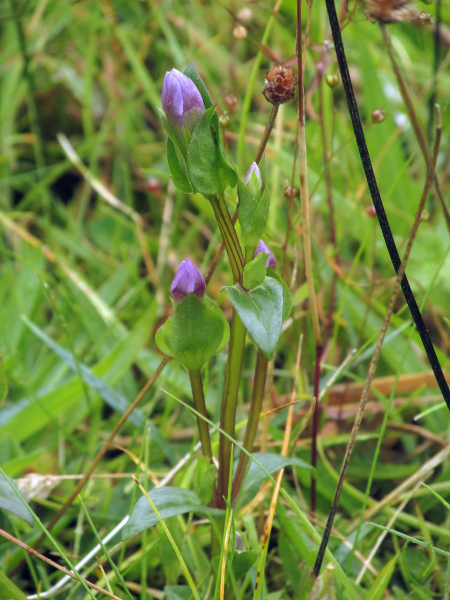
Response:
column 261, row 311
column 178, row 168
column 381, row 583
column 271, row 463
column 205, row 474
column 255, row 272
column 170, row 502
column 287, row 296
column 10, row 501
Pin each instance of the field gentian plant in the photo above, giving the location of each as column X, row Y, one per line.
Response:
column 195, row 331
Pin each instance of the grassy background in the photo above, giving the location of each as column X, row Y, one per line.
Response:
column 81, row 293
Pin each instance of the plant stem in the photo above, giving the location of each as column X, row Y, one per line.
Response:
column 252, row 423
column 229, row 404
column 200, row 407
column 267, row 132
column 229, row 237
column 315, row 425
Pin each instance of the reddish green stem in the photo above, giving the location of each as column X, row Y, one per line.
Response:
column 252, row 424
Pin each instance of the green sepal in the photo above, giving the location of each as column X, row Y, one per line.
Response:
column 205, row 474
column 255, row 272
column 178, row 169
column 261, row 312
column 203, row 157
column 252, row 213
column 176, row 154
column 229, row 173
column 175, row 132
column 287, row 296
column 195, row 332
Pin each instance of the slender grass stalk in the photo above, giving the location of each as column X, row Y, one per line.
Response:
column 120, row 579
column 279, row 477
column 407, row 345
column 183, row 566
column 199, row 403
column 378, row 204
column 306, row 224
column 48, row 535
column 371, row 371
column 52, row 563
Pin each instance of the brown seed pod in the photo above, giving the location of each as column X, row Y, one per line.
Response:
column 290, row 192
column 279, row 85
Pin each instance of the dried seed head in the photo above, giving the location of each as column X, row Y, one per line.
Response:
column 279, row 85
column 240, row 32
column 390, row 11
column 230, row 101
column 332, row 80
column 290, row 192
column 378, row 115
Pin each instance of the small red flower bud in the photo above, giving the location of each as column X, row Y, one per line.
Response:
column 153, row 185
column 230, row 101
column 378, row 115
column 370, row 210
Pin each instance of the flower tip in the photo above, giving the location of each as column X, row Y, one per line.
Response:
column 187, row 280
column 253, row 169
column 263, row 247
column 180, row 96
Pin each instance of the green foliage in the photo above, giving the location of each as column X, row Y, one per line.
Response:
column 261, row 311
column 195, row 332
column 88, row 251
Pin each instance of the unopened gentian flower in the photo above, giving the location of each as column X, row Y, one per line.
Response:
column 262, row 247
column 253, row 169
column 253, row 180
column 181, row 100
column 187, row 280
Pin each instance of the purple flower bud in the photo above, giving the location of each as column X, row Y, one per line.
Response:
column 187, row 280
column 253, row 169
column 262, row 247
column 181, row 99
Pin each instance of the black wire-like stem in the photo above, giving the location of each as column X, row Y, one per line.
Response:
column 378, row 204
